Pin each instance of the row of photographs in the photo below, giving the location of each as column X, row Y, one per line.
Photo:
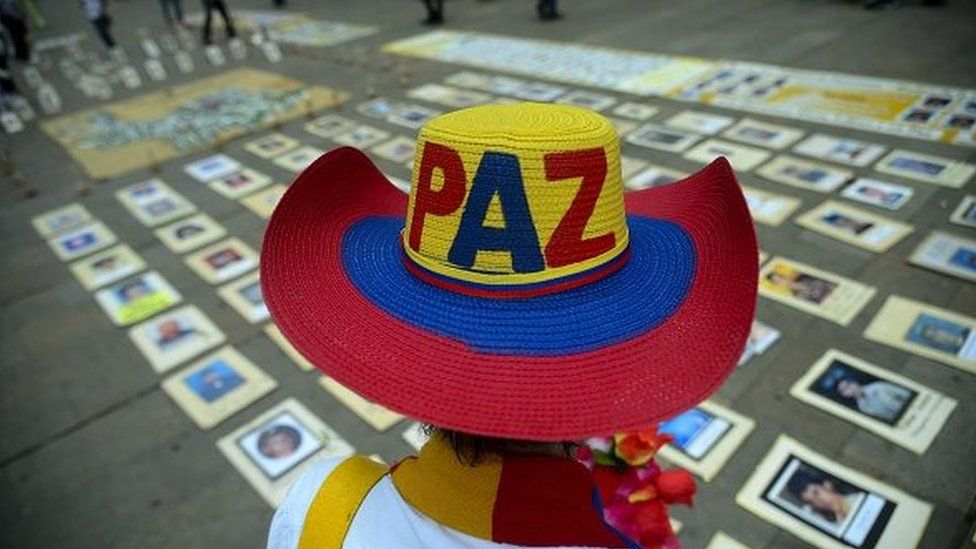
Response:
column 885, row 106
column 271, row 451
column 932, row 332
column 681, row 131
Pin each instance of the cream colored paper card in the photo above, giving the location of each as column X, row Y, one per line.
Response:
column 878, row 193
column 190, row 233
column 742, row 157
column 154, row 203
column 61, row 219
column 635, row 111
column 468, row 79
column 829, row 505
column 329, row 125
column 448, row 95
column 630, row 165
column 705, row 437
column 965, row 212
column 82, row 240
column 587, row 100
column 376, row 416
column 137, row 298
column 541, row 92
column 947, row 253
column 805, row 174
column 755, row 132
column 924, row 330
column 415, row 436
column 272, row 451
column 298, row 159
column 211, row 167
column 361, row 137
column 106, row 267
column 926, row 168
column 274, row 333
column 876, row 399
column 176, row 336
column 653, row 176
column 410, row 116
column 839, row 149
column 400, row 149
column 218, row 386
column 263, row 202
column 662, row 138
column 240, row 183
column 854, row 226
column 271, row 145
column 380, row 108
column 622, row 125
column 700, row 122
column 813, row 291
column 721, row 540
column 761, row 337
column 244, row 295
column 769, row 208
column 223, row 261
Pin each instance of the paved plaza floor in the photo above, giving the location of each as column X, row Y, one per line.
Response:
column 94, row 453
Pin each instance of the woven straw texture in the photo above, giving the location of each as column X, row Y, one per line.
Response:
column 486, row 165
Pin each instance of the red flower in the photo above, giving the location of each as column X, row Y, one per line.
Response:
column 638, row 448
column 675, row 486
column 651, row 519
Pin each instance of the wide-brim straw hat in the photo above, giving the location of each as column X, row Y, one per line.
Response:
column 517, row 292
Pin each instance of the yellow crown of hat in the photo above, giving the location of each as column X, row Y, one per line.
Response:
column 525, row 197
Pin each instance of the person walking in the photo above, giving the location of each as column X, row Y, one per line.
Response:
column 435, row 12
column 209, row 6
column 172, row 11
column 547, row 10
column 97, row 13
column 13, row 18
column 479, row 306
column 8, row 87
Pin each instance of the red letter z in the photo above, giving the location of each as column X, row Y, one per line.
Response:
column 567, row 245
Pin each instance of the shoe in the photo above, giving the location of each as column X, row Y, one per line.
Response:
column 881, row 4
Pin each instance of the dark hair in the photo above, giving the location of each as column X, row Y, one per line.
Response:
column 802, row 478
column 472, row 450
